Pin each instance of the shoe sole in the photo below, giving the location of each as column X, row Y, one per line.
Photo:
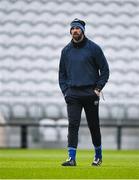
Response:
column 67, row 165
column 93, row 164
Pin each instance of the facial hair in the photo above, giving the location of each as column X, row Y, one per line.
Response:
column 77, row 37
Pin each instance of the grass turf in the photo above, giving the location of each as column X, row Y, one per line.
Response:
column 46, row 164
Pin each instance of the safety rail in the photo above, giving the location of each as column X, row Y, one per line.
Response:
column 24, row 130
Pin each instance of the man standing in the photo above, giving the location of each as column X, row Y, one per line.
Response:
column 83, row 72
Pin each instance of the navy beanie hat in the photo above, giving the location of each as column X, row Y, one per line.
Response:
column 78, row 23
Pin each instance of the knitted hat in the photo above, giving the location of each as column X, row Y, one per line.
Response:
column 77, row 23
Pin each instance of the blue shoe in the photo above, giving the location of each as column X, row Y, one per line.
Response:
column 97, row 162
column 69, row 162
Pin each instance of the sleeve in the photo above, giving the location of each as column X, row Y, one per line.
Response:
column 62, row 74
column 103, row 67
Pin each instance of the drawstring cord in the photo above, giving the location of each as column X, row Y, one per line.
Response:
column 102, row 94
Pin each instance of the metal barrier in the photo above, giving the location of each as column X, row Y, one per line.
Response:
column 24, row 130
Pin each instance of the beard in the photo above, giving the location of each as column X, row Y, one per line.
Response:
column 77, row 37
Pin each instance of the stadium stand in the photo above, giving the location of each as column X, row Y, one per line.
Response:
column 32, row 34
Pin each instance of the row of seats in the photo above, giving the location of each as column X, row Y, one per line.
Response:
column 51, row 53
column 32, row 35
column 51, row 75
column 57, row 31
column 38, row 110
column 105, row 6
column 28, row 87
column 27, row 64
column 44, row 45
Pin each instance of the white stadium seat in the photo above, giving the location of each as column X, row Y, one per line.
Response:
column 48, row 133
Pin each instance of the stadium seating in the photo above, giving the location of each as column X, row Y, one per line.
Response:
column 32, row 35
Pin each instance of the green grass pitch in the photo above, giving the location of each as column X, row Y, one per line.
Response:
column 46, row 164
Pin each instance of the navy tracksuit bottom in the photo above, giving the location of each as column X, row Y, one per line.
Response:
column 78, row 98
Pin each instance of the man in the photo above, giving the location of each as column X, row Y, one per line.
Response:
column 83, row 72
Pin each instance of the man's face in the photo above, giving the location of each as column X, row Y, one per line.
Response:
column 76, row 33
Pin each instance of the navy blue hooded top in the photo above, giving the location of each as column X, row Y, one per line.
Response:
column 82, row 64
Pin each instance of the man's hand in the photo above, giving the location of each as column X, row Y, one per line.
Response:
column 97, row 92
